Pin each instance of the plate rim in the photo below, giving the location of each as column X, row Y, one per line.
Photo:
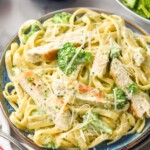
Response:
column 2, row 62
column 132, row 12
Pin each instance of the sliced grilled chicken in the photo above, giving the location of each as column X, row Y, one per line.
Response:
column 140, row 104
column 87, row 93
column 83, row 93
column 140, row 100
column 52, row 105
column 139, row 56
column 120, row 75
column 146, row 66
column 48, row 52
column 100, row 63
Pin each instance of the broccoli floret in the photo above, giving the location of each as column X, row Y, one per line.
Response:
column 121, row 98
column 120, row 94
column 92, row 121
column 130, row 3
column 133, row 88
column 66, row 54
column 51, row 145
column 34, row 28
column 61, row 17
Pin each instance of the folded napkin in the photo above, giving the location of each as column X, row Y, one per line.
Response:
column 5, row 144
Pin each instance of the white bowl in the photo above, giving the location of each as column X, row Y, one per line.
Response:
column 132, row 12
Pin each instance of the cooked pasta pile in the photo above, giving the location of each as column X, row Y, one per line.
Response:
column 78, row 79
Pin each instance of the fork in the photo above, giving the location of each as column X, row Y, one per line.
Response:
column 11, row 139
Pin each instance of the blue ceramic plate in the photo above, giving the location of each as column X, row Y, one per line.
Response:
column 132, row 12
column 124, row 143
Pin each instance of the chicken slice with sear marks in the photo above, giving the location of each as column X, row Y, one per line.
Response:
column 140, row 102
column 47, row 101
column 49, row 51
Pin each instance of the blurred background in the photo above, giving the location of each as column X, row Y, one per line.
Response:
column 14, row 12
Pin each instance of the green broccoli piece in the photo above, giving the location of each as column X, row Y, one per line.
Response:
column 61, row 17
column 120, row 94
column 130, row 3
column 121, row 98
column 133, row 88
column 65, row 55
column 115, row 52
column 92, row 121
column 30, row 79
column 51, row 145
column 34, row 28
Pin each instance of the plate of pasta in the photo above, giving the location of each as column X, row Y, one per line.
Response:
column 78, row 78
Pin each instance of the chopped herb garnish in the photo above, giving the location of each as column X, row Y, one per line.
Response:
column 30, row 79
column 45, row 93
column 57, row 107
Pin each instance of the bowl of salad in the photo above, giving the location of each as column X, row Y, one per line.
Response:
column 139, row 8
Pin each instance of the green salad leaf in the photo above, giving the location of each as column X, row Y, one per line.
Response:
column 141, row 7
column 144, row 8
column 130, row 3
